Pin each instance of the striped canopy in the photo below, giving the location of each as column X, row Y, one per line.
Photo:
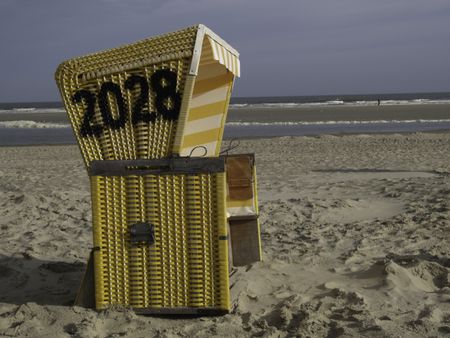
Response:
column 215, row 68
column 225, row 57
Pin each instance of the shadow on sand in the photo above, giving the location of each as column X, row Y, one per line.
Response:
column 27, row 279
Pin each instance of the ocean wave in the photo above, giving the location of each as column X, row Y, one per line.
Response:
column 338, row 103
column 32, row 110
column 305, row 123
column 32, row 125
column 263, row 105
column 23, row 124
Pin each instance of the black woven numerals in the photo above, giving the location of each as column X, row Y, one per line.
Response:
column 137, row 111
column 168, row 100
column 88, row 129
column 105, row 108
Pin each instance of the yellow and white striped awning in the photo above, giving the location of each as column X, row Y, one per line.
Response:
column 225, row 57
column 214, row 66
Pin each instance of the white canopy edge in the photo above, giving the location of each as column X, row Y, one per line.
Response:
column 222, row 52
column 225, row 57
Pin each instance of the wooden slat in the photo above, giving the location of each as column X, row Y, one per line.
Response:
column 245, row 241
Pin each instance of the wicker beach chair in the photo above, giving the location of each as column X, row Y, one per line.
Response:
column 149, row 119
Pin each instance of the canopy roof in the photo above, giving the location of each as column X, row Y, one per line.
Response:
column 103, row 91
column 220, row 51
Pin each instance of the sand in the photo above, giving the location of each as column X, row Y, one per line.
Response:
column 354, row 229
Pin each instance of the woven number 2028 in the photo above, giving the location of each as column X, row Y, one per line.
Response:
column 163, row 82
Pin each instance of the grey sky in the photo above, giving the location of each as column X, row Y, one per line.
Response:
column 287, row 47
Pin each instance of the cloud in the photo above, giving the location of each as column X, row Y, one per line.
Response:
column 302, row 46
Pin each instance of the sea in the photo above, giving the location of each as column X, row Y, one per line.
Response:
column 37, row 123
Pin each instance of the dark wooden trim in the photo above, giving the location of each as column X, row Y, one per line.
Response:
column 250, row 155
column 172, row 165
column 180, row 311
column 243, row 218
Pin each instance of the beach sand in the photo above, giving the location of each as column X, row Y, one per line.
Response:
column 354, row 233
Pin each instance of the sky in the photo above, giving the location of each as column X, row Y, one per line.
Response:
column 287, row 47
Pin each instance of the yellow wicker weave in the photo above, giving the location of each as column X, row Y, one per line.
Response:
column 160, row 96
column 143, row 140
column 186, row 269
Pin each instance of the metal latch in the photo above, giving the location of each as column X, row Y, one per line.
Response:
column 142, row 232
